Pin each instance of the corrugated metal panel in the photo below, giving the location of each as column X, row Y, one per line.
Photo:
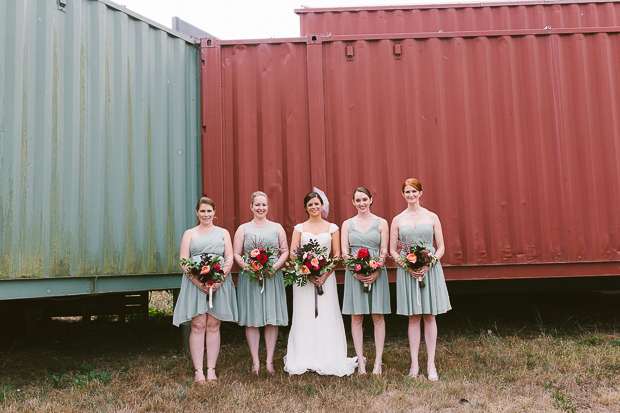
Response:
column 516, row 140
column 459, row 17
column 99, row 141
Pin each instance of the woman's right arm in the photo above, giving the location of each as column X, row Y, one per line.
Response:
column 394, row 238
column 295, row 239
column 238, row 247
column 344, row 238
column 184, row 253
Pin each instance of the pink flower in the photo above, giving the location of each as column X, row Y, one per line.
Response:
column 358, row 267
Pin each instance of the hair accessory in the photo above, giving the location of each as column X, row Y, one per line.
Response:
column 325, row 212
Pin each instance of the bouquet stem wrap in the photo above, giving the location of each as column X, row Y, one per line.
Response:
column 210, row 297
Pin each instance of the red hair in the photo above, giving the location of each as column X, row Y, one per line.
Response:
column 414, row 183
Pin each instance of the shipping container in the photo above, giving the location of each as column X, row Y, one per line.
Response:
column 515, row 138
column 99, row 148
column 476, row 17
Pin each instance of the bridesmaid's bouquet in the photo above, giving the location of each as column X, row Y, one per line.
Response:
column 310, row 260
column 416, row 257
column 207, row 271
column 259, row 262
column 362, row 263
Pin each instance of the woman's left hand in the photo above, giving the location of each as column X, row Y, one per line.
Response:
column 319, row 281
column 421, row 273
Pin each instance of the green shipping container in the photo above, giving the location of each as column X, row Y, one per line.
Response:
column 99, row 148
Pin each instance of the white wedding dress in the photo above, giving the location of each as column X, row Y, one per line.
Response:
column 317, row 344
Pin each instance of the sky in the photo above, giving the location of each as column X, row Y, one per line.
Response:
column 247, row 19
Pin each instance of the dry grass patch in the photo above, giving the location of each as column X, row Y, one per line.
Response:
column 486, row 365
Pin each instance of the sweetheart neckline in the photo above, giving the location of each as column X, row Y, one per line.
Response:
column 416, row 227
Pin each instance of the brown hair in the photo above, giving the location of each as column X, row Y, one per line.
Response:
column 310, row 196
column 258, row 193
column 204, row 200
column 412, row 182
column 364, row 191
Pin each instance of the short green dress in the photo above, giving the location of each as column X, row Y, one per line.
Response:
column 258, row 309
column 192, row 301
column 434, row 297
column 377, row 300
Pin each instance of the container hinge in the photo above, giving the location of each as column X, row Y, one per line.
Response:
column 349, row 52
column 398, row 50
column 62, row 4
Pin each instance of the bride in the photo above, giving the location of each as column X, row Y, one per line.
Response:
column 317, row 343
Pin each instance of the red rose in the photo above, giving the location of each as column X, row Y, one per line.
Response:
column 216, row 267
column 262, row 258
column 362, row 253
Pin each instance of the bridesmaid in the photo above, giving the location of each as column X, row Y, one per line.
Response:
column 422, row 226
column 268, row 309
column 192, row 304
column 366, row 230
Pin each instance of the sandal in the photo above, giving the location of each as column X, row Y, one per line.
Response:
column 200, row 382
column 270, row 370
column 433, row 378
column 377, row 369
column 257, row 369
column 412, row 374
column 211, row 380
column 361, row 367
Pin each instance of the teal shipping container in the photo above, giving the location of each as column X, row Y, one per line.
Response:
column 99, row 148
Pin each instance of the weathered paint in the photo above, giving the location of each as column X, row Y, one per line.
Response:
column 516, row 139
column 513, row 15
column 99, row 140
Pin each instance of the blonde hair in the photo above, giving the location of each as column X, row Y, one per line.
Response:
column 258, row 193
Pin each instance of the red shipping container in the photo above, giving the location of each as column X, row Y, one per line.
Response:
column 516, row 138
column 477, row 17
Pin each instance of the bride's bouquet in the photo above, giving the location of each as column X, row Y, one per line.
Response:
column 259, row 262
column 362, row 263
column 414, row 256
column 310, row 260
column 207, row 271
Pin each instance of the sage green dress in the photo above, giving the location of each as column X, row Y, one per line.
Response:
column 377, row 300
column 268, row 308
column 192, row 301
column 434, row 297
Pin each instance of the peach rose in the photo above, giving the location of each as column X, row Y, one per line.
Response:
column 305, row 270
column 256, row 266
column 314, row 262
column 205, row 269
column 255, row 253
column 412, row 258
column 373, row 264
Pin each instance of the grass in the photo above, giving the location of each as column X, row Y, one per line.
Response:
column 510, row 363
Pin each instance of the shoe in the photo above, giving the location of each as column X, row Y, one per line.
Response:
column 269, row 367
column 433, row 378
column 361, row 367
column 200, row 382
column 377, row 369
column 412, row 374
column 211, row 380
column 255, row 369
